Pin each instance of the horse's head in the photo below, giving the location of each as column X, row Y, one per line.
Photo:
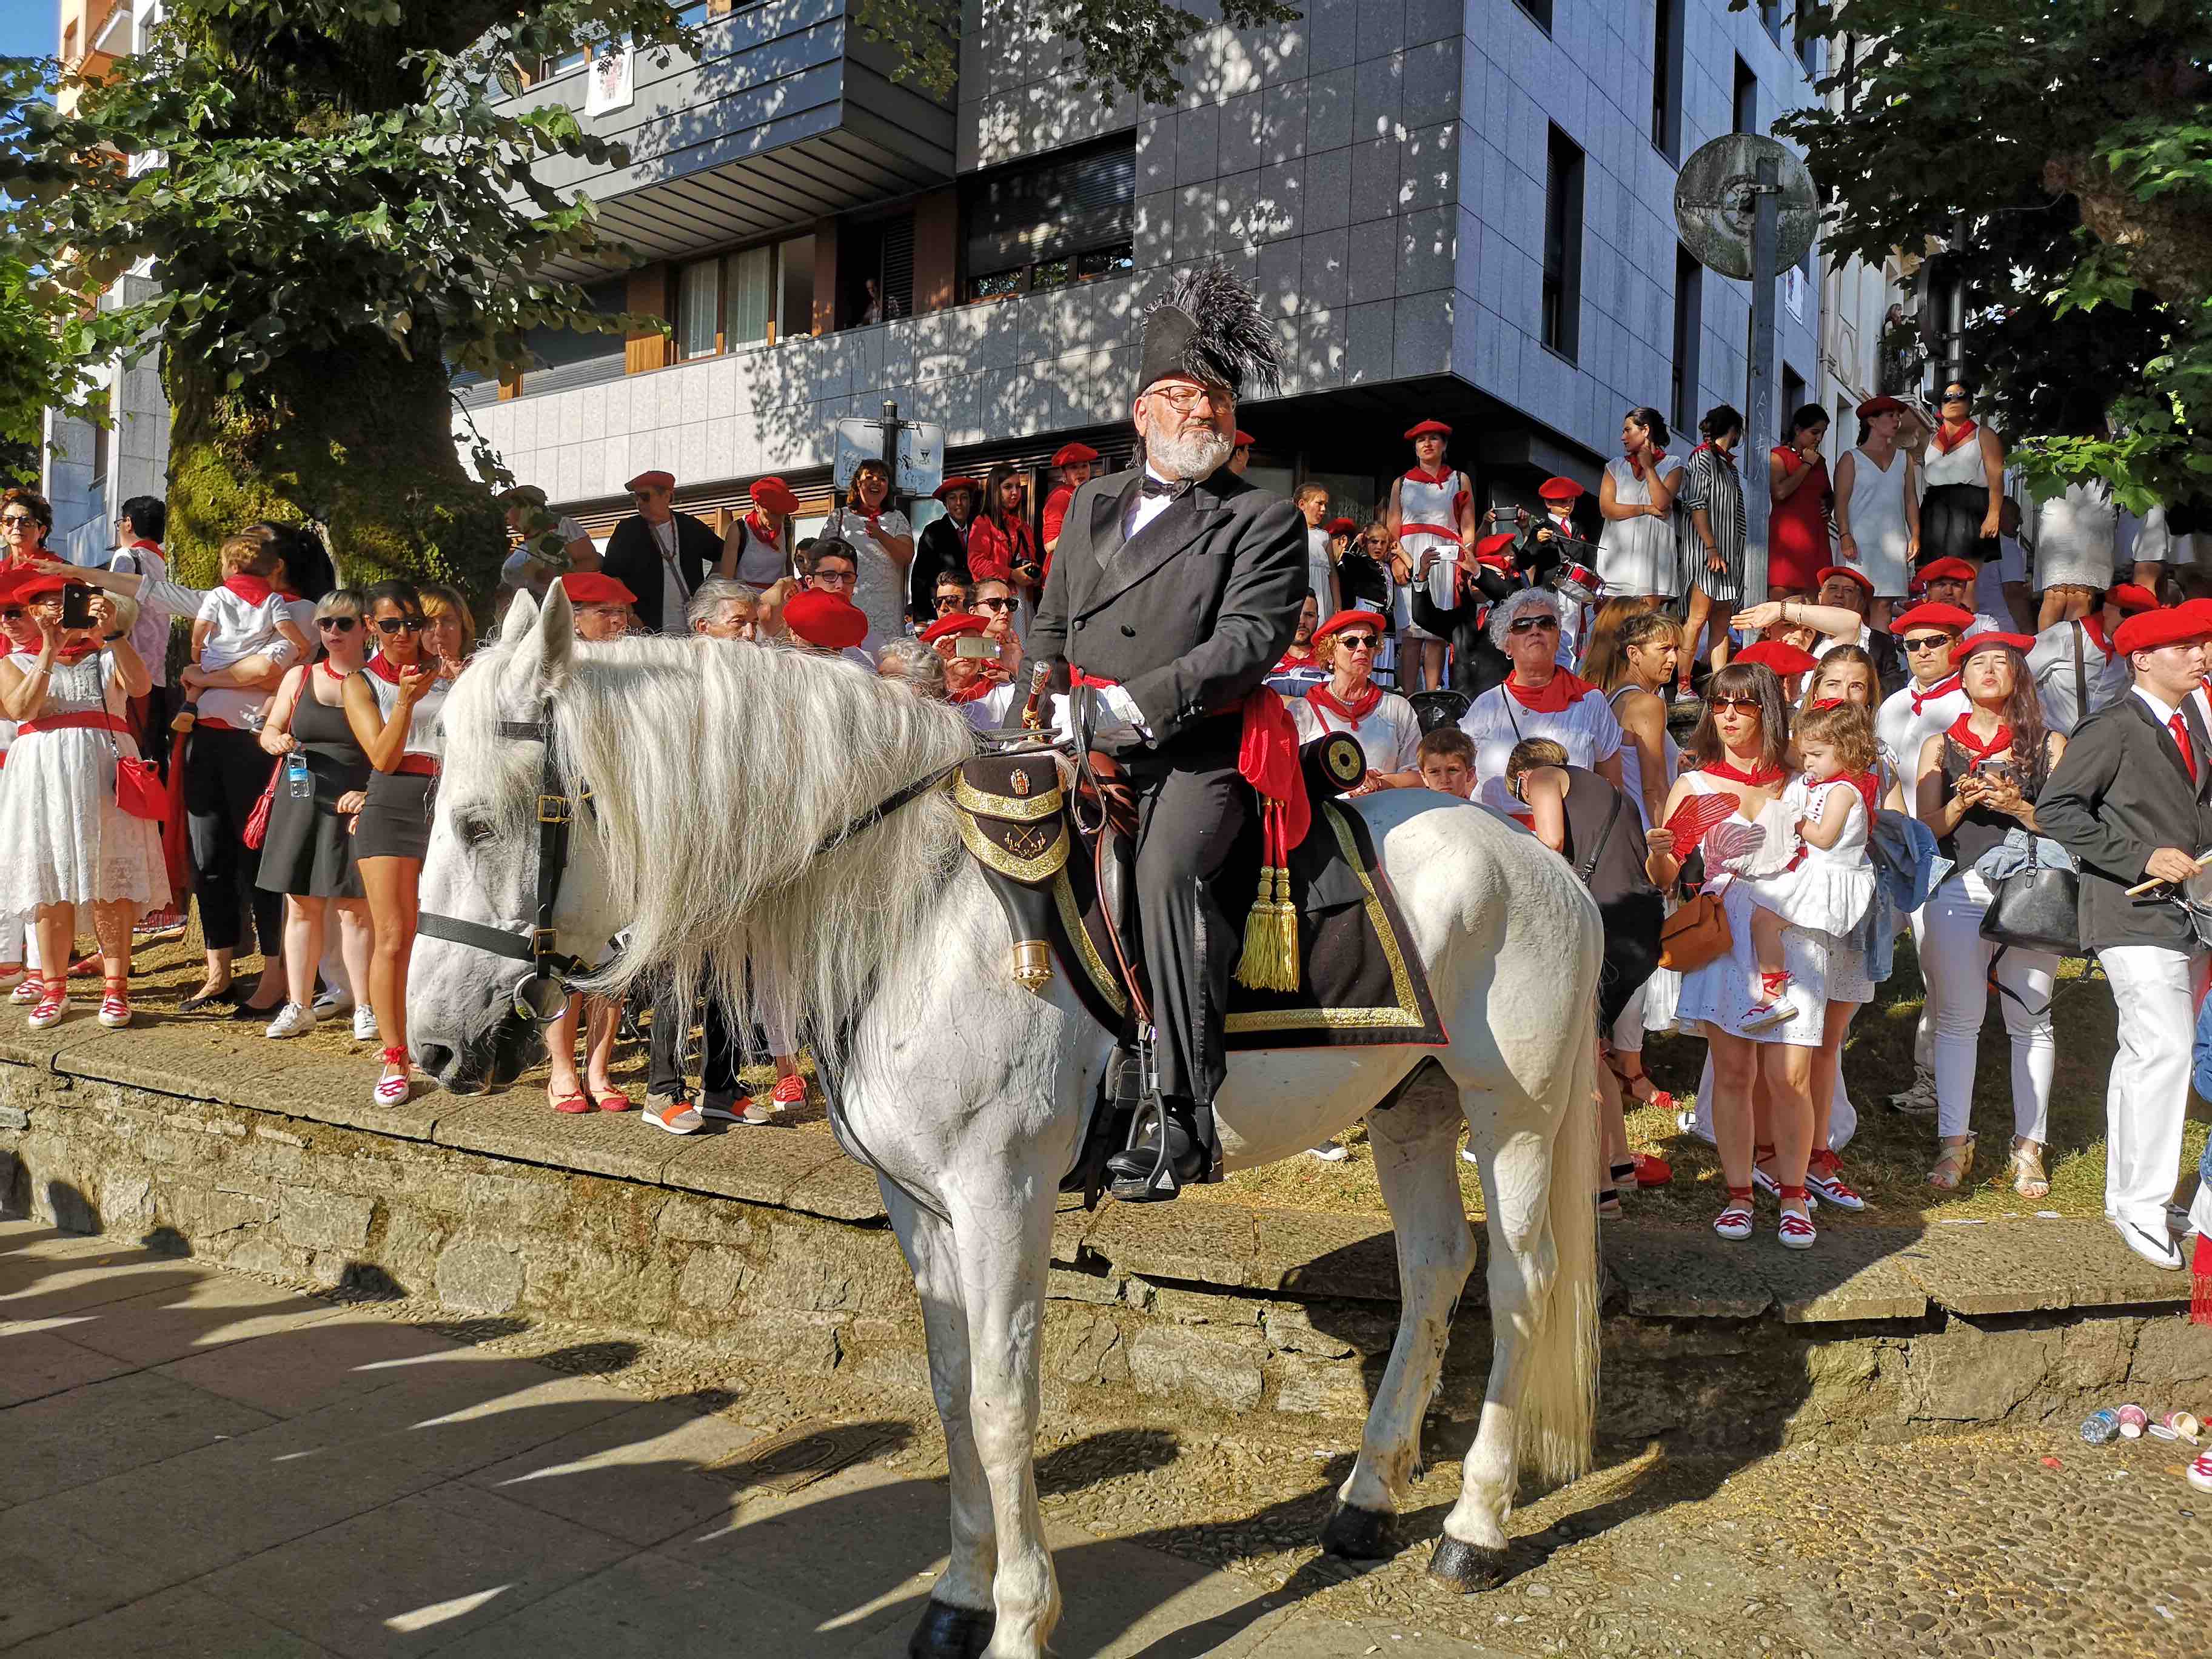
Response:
column 467, row 1022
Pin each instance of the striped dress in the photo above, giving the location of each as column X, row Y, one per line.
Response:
column 1715, row 484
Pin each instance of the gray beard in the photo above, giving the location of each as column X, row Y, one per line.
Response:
column 1199, row 455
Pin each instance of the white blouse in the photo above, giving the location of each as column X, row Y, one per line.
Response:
column 1390, row 735
column 1585, row 728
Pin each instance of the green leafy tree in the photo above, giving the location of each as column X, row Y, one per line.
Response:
column 337, row 206
column 2073, row 140
column 42, row 365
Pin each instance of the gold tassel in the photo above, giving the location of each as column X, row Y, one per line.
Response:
column 1252, row 966
column 1286, row 934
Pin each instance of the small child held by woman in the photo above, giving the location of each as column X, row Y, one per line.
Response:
column 1827, row 886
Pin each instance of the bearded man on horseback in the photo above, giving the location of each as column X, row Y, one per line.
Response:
column 1172, row 594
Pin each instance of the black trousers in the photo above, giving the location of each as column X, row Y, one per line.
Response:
column 721, row 1054
column 1189, row 818
column 225, row 772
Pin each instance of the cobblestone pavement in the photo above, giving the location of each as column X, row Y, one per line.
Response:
column 205, row 1463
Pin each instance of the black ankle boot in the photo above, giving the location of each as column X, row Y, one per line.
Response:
column 1139, row 1175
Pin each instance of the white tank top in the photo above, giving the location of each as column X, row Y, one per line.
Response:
column 1961, row 466
column 425, row 734
column 1632, row 760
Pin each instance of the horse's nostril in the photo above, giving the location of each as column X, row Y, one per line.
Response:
column 435, row 1058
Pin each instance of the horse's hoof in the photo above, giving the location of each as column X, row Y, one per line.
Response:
column 1358, row 1534
column 1466, row 1567
column 949, row 1633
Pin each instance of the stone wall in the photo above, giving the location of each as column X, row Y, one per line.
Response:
column 1151, row 1316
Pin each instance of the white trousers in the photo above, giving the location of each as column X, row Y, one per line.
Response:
column 1924, row 1030
column 1954, row 959
column 19, row 941
column 2155, row 990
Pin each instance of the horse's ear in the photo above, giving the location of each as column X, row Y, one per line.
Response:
column 557, row 637
column 521, row 616
column 539, row 643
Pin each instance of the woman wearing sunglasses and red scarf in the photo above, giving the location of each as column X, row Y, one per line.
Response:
column 1539, row 699
column 1384, row 722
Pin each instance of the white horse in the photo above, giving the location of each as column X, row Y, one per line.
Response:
column 717, row 770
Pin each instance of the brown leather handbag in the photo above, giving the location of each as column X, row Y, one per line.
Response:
column 1696, row 933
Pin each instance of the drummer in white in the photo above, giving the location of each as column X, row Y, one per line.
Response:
column 1432, row 507
column 1878, row 506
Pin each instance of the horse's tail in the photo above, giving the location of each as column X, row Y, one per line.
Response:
column 1558, row 1396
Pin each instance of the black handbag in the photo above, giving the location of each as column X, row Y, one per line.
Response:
column 2037, row 910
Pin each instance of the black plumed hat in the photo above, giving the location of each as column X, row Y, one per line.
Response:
column 1207, row 326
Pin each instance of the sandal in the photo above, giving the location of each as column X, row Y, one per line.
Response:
column 1735, row 1221
column 1609, row 1204
column 53, row 1002
column 613, row 1101
column 394, row 1091
column 2028, row 1177
column 1652, row 1094
column 1952, row 1166
column 568, row 1105
column 1824, row 1176
column 1796, row 1231
column 115, row 1003
column 28, row 991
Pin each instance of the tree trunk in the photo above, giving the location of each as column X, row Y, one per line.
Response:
column 358, row 438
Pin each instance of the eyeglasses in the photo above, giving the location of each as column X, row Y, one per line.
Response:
column 833, row 578
column 995, row 604
column 18, row 518
column 14, row 613
column 392, row 626
column 1356, row 641
column 644, row 495
column 337, row 624
column 1184, row 398
column 1742, row 700
column 1929, row 642
column 1532, row 624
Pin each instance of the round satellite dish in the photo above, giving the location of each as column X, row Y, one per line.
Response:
column 1714, row 202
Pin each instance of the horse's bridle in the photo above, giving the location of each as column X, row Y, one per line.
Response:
column 541, row 993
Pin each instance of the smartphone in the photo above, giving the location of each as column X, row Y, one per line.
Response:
column 977, row 645
column 76, row 605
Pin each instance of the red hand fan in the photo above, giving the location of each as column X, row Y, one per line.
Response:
column 1695, row 818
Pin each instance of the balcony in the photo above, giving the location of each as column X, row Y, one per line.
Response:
column 787, row 116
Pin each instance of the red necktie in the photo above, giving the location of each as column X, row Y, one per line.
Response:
column 2181, row 735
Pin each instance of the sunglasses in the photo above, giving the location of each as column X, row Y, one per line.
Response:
column 18, row 519
column 1929, row 642
column 995, row 604
column 395, row 625
column 1956, row 398
column 948, row 602
column 14, row 613
column 1531, row 624
column 337, row 624
column 1740, row 701
column 1356, row 641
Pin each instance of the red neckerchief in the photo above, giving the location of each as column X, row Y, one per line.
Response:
column 1943, row 428
column 978, row 687
column 1635, row 461
column 759, row 528
column 1351, row 713
column 2094, row 628
column 1869, row 788
column 1414, row 474
column 1759, row 777
column 1552, row 697
column 74, row 654
column 252, row 589
column 1298, row 656
column 1708, row 447
column 151, row 547
column 1942, row 688
column 381, row 667
column 1962, row 733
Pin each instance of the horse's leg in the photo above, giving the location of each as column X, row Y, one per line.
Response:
column 1542, row 1283
column 1005, row 1241
column 956, row 1623
column 1415, row 1144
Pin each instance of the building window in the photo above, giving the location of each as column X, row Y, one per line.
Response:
column 795, row 281
column 1667, row 79
column 1689, row 327
column 1770, row 16
column 550, row 67
column 1808, row 44
column 1044, row 225
column 1539, row 13
column 1563, row 244
column 748, row 283
column 755, row 296
column 1793, row 399
column 699, row 308
column 1747, row 98
column 875, row 270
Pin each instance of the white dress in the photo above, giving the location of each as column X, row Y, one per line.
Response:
column 1637, row 557
column 879, row 590
column 1429, row 518
column 67, row 841
column 1390, row 735
column 1829, row 888
column 1879, row 535
column 1824, row 968
column 2075, row 536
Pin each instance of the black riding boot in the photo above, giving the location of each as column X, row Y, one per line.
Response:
column 1139, row 1174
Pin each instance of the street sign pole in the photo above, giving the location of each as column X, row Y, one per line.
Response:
column 891, row 424
column 1760, row 418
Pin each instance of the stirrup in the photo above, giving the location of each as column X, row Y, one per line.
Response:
column 1161, row 1184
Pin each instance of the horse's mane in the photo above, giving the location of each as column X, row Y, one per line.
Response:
column 716, row 770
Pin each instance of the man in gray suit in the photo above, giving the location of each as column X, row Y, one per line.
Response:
column 1173, row 592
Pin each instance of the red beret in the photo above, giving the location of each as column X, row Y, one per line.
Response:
column 1491, row 546
column 30, row 587
column 1244, row 439
column 1426, row 427
column 952, row 627
column 774, row 497
column 1947, row 570
column 2126, row 596
column 1780, row 656
column 595, row 587
column 827, row 620
column 1345, row 619
column 1858, row 576
column 1560, row 489
column 2022, row 643
column 1883, row 405
column 1949, row 617
column 1342, row 527
column 973, row 486
column 2149, row 629
column 1076, row 454
column 654, row 480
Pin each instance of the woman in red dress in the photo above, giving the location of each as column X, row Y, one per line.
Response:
column 1797, row 529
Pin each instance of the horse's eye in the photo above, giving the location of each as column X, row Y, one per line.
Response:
column 474, row 831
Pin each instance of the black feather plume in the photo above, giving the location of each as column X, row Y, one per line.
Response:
column 1219, row 335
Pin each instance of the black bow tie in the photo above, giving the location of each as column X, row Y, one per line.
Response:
column 1175, row 490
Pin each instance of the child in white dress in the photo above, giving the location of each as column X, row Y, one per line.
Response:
column 1827, row 887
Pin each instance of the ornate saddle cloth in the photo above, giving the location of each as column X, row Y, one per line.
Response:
column 1359, row 982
